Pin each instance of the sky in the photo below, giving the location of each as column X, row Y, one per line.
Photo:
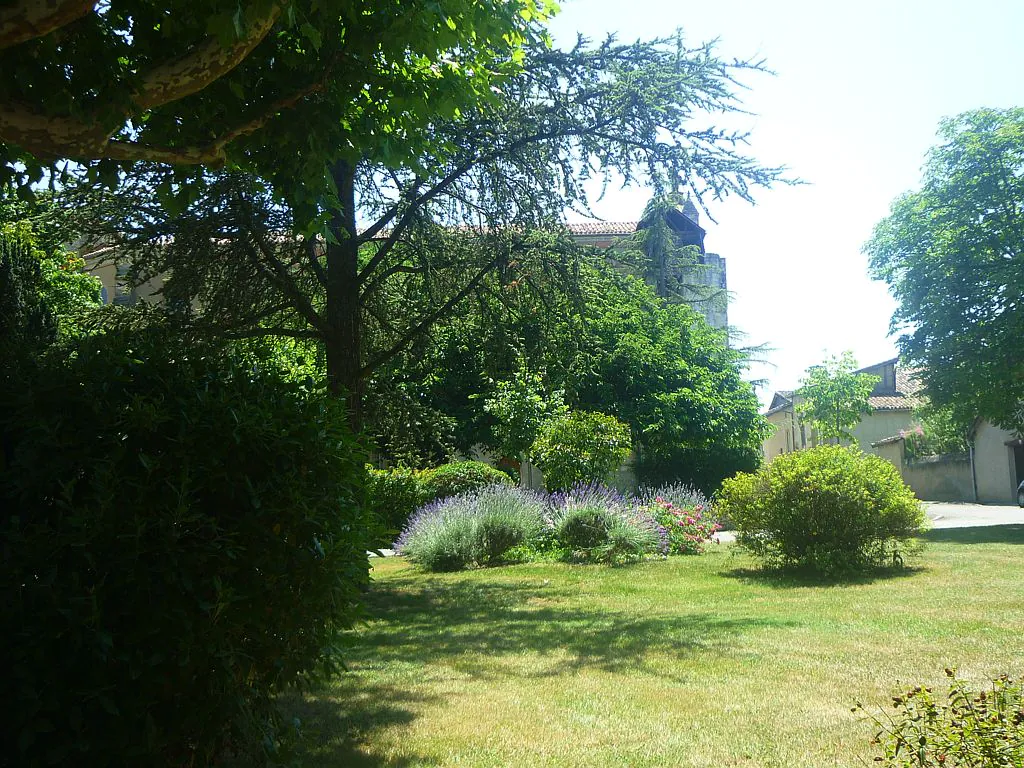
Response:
column 852, row 109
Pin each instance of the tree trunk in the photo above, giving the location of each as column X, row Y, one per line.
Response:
column 343, row 341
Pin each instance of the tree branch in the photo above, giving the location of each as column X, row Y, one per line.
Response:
column 202, row 65
column 30, row 19
column 278, row 274
column 379, row 280
column 429, row 320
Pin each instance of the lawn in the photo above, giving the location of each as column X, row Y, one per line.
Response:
column 694, row 661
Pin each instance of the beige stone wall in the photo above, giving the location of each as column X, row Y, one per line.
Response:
column 879, row 425
column 993, row 465
column 781, row 436
column 940, row 478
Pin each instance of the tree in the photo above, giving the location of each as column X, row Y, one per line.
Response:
column 521, row 408
column 208, row 83
column 42, row 295
column 952, row 254
column 603, row 342
column 835, row 396
column 580, row 447
column 432, row 227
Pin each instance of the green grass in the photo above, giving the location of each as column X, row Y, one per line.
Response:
column 694, row 661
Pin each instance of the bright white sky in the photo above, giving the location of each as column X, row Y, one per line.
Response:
column 857, row 97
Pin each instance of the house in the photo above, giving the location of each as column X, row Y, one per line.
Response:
column 988, row 473
column 892, row 403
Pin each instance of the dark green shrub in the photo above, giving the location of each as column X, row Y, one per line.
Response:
column 970, row 729
column 475, row 528
column 183, row 537
column 459, row 477
column 583, row 528
column 394, row 494
column 830, row 508
column 580, row 447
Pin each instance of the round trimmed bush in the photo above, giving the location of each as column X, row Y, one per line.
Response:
column 832, row 509
column 394, row 494
column 580, row 447
column 460, row 477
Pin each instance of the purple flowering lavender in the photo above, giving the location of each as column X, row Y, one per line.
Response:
column 477, row 527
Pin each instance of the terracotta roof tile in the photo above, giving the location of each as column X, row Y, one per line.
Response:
column 602, row 227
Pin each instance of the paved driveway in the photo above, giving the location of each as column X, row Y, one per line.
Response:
column 963, row 515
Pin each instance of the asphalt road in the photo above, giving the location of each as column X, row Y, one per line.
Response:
column 963, row 515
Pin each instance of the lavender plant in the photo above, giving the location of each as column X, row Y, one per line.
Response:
column 594, row 522
column 475, row 528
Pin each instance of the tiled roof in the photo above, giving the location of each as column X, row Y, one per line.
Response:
column 602, row 227
column 908, row 389
column 906, row 397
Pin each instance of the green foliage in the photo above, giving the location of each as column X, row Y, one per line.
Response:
column 950, row 253
column 834, row 397
column 394, row 494
column 937, row 432
column 831, row 509
column 183, row 539
column 372, row 76
column 583, row 527
column 520, row 408
column 580, row 447
column 459, row 477
column 475, row 528
column 970, row 729
column 42, row 295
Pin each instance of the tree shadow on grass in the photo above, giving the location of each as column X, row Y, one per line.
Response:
column 470, row 624
column 485, row 630
column 795, row 578
column 336, row 719
column 982, row 534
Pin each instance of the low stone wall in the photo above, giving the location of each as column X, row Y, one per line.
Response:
column 940, row 478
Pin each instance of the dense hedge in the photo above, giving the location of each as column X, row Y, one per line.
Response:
column 829, row 508
column 183, row 537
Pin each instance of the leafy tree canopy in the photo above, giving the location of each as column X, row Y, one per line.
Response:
column 603, row 342
column 218, row 82
column 953, row 256
column 835, row 397
column 43, row 294
column 415, row 235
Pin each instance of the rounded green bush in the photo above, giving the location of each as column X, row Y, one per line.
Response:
column 459, row 477
column 830, row 508
column 183, row 538
column 580, row 447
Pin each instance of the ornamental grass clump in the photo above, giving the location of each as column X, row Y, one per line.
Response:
column 475, row 528
column 596, row 523
column 830, row 509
